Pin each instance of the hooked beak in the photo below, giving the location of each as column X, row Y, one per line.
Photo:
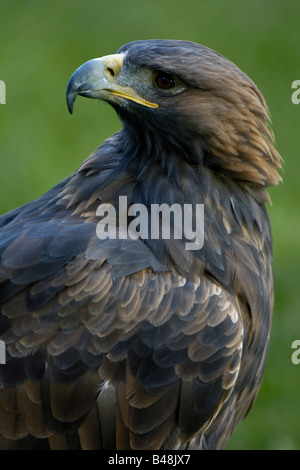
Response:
column 97, row 78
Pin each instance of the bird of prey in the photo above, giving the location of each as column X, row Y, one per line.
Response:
column 143, row 342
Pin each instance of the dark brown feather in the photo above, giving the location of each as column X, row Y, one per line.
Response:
column 141, row 344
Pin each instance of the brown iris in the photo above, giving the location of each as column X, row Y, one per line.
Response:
column 164, row 80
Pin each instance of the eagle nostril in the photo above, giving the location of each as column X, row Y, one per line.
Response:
column 110, row 71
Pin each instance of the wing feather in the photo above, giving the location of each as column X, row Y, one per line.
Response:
column 108, row 344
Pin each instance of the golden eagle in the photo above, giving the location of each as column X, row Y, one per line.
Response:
column 136, row 342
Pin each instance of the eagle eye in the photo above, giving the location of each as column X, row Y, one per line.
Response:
column 164, row 81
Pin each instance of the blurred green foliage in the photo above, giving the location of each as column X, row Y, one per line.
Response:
column 41, row 44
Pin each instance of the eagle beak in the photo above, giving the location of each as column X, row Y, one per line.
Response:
column 97, row 78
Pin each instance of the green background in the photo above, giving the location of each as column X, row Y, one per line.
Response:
column 42, row 42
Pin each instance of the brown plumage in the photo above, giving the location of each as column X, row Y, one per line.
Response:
column 141, row 343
